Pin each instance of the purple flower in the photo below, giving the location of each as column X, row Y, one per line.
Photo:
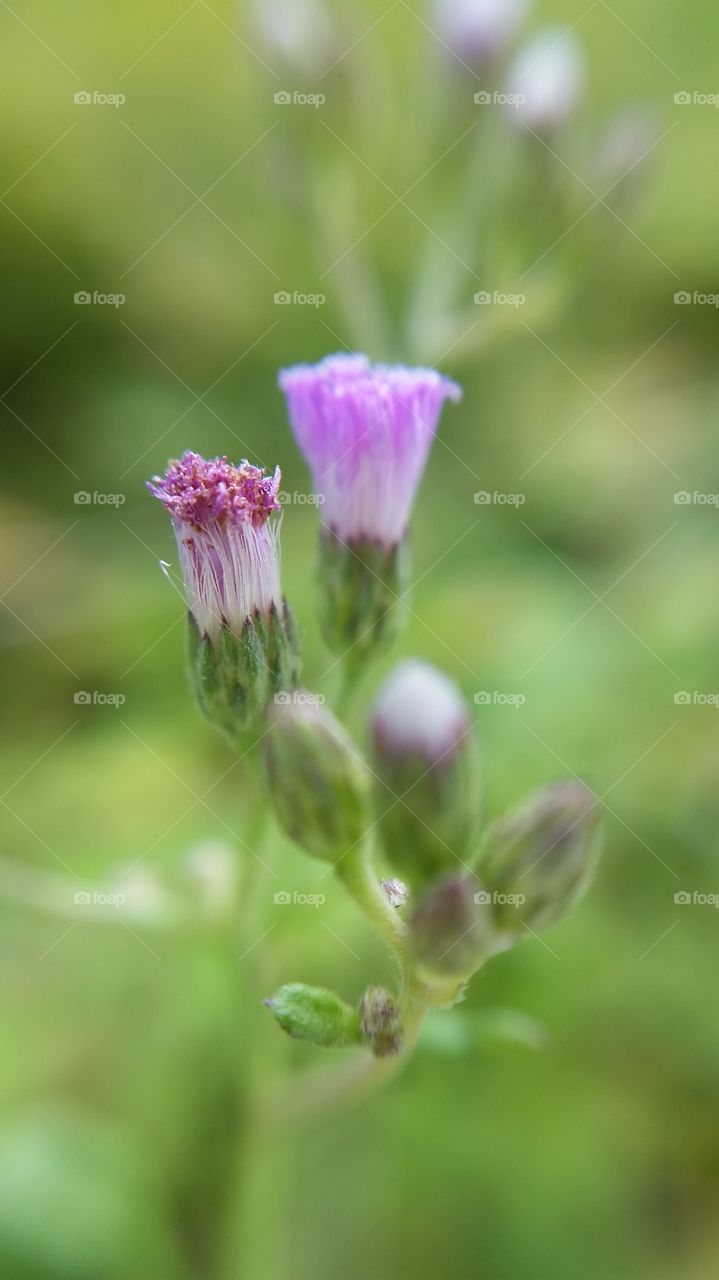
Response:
column 366, row 431
column 227, row 542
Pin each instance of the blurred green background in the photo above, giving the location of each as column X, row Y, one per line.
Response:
column 568, row 1126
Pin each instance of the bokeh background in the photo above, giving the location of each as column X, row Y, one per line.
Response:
column 566, row 1123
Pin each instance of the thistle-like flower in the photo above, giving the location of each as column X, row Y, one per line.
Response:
column 366, row 431
column 243, row 644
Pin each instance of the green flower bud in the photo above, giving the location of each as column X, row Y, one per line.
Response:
column 360, row 582
column 381, row 1022
column 316, row 1015
column 319, row 784
column 452, row 929
column 425, row 754
column 539, row 859
column 236, row 674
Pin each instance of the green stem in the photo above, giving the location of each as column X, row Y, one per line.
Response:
column 355, row 871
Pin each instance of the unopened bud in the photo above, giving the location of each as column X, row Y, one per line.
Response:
column 319, row 784
column 360, row 583
column 316, row 1015
column 539, row 859
column 381, row 1022
column 478, row 31
column 452, row 929
column 425, row 755
column 546, row 80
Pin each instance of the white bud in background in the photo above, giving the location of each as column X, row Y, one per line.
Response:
column 546, row 80
column 478, row 31
column 424, row 752
column 419, row 711
column 300, row 32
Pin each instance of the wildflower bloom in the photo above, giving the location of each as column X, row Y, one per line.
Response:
column 424, row 751
column 242, row 637
column 366, row 431
column 227, row 544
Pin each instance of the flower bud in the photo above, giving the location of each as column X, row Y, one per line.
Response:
column 425, row 752
column 316, row 1015
column 319, row 783
column 380, row 1022
column 243, row 642
column 366, row 431
column 360, row 584
column 478, row 31
column 546, row 80
column 538, row 860
column 452, row 930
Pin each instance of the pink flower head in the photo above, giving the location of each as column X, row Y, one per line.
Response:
column 365, row 431
column 227, row 542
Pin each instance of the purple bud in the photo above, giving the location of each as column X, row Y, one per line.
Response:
column 366, row 431
column 227, row 544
